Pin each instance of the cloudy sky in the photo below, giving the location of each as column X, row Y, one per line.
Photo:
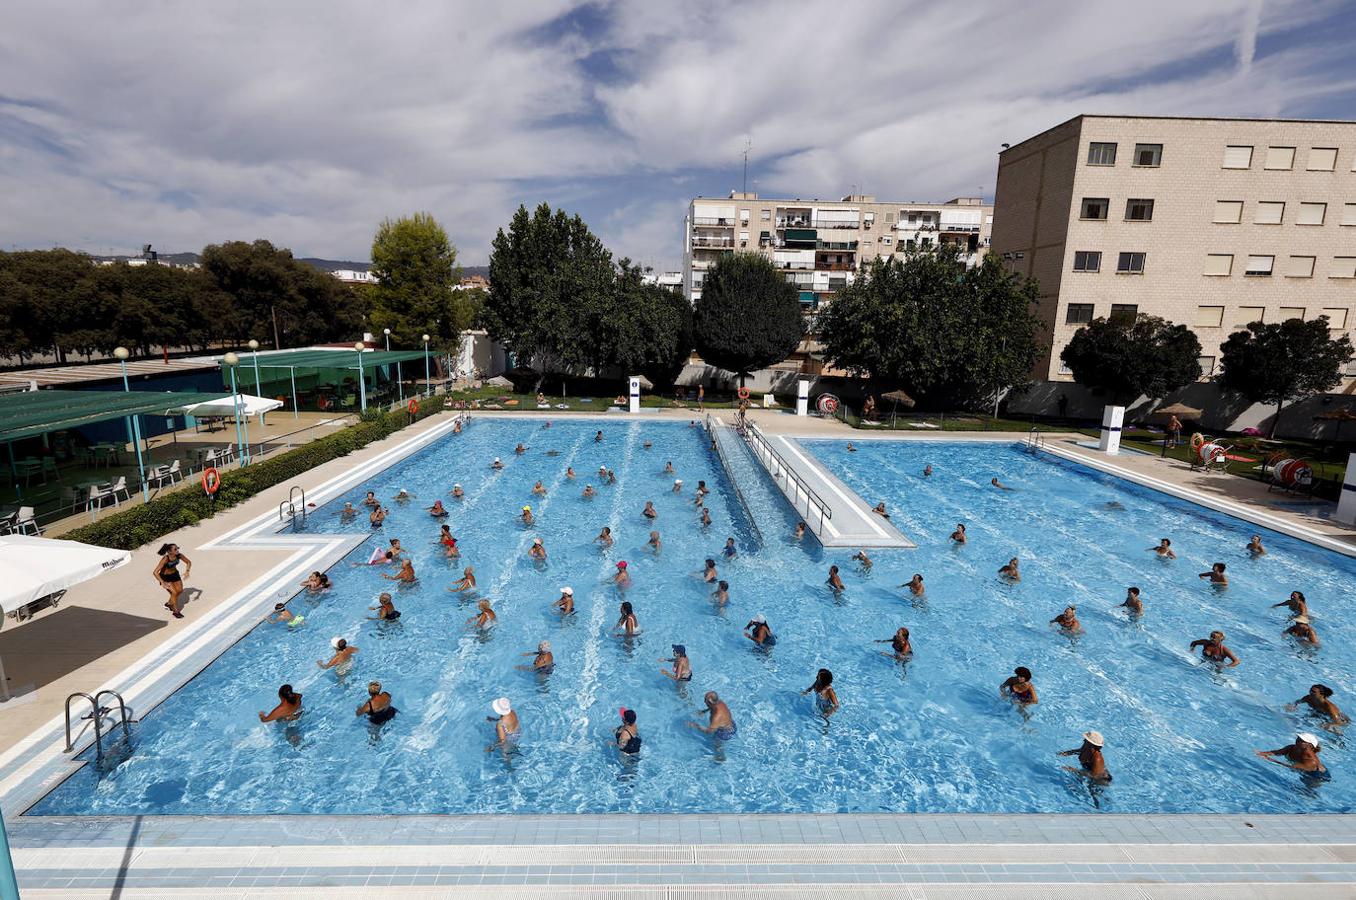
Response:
column 305, row 123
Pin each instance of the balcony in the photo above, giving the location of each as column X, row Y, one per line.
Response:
column 711, row 242
column 837, row 223
column 834, row 267
column 706, row 220
column 793, row 222
column 842, row 246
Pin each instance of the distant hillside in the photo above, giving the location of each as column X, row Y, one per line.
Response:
column 324, row 265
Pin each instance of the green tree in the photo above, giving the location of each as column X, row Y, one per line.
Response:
column 1128, row 358
column 1281, row 362
column 748, row 316
column 651, row 328
column 934, row 327
column 416, row 267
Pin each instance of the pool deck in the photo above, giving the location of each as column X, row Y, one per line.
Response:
column 113, row 632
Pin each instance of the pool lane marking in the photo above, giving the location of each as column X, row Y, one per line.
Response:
column 819, row 473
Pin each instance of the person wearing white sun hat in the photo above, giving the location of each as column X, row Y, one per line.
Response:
column 1302, row 755
column 506, row 724
column 566, row 602
column 457, row 492
column 497, row 464
column 342, row 660
column 1093, row 766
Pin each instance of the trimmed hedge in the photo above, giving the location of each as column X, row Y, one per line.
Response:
column 139, row 525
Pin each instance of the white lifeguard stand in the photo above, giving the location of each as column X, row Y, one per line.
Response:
column 635, row 393
column 803, row 397
column 1113, row 417
column 1346, row 504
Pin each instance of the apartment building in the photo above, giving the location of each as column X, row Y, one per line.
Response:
column 820, row 244
column 1211, row 223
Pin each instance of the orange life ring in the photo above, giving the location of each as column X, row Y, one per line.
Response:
column 211, row 480
column 743, row 393
column 412, row 406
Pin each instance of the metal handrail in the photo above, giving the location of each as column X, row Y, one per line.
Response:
column 96, row 715
column 756, row 440
column 709, row 424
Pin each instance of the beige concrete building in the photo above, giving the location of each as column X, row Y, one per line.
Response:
column 820, row 244
column 1212, row 223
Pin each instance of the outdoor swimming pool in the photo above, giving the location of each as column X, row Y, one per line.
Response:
column 931, row 736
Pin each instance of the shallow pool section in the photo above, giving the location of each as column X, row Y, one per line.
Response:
column 929, row 736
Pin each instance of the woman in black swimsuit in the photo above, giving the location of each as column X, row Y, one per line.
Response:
column 166, row 573
column 378, row 706
column 1018, row 687
column 627, row 736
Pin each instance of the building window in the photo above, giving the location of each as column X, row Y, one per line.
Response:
column 913, row 218
column 1100, row 154
column 1269, row 212
column 1228, row 212
column 1292, row 312
column 1259, row 265
column 1139, row 210
column 1094, row 208
column 1337, row 317
column 1207, row 364
column 744, row 237
column 1343, row 267
column 1349, row 213
column 744, row 217
column 1087, row 260
column 1322, row 159
column 1209, row 316
column 1238, row 156
column 1124, row 312
column 766, row 215
column 1280, row 158
column 1300, row 267
column 910, row 245
column 1130, row 264
column 1078, row 314
column 884, row 239
column 868, row 219
column 1219, row 264
column 1246, row 315
column 1311, row 213
column 927, row 242
column 1148, row 155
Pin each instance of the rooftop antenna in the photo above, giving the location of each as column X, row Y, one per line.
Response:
column 748, row 145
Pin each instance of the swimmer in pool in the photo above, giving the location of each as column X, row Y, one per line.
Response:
column 598, row 438
column 826, row 698
column 654, row 542
column 343, row 655
column 682, row 666
column 959, row 534
column 706, row 516
column 520, row 449
column 396, row 551
column 403, row 496
column 1000, row 485
column 850, row 448
column 627, row 623
column 1164, row 549
column 437, row 510
column 371, row 499
column 1018, row 688
column 506, row 724
column 527, row 515
column 537, row 550
column 900, row 648
column 405, row 575
column 497, row 464
column 467, row 582
column 927, row 470
column 627, row 737
column 678, row 485
column 569, row 473
column 879, row 509
column 834, row 581
column 378, row 708
column 604, row 537
column 385, row 609
column 623, row 578
column 1091, row 764
column 610, row 477
column 589, row 492
column 668, row 467
column 348, row 513
column 1216, row 576
column 542, row 660
column 1255, row 548
column 720, row 724
column 539, row 489
column 283, row 616
column 288, row 708
column 702, row 489
column 1319, row 700
column 484, row 617
column 1010, row 572
column 1068, row 620
column 448, row 542
column 1302, row 632
column 1297, row 605
column 566, row 602
column 1302, row 755
column 863, row 560
column 317, row 582
column 377, row 516
column 729, row 551
column 1213, row 650
column 709, row 572
column 1133, row 604
column 649, row 511
column 457, row 492
column 721, row 595
column 800, row 531
column 915, row 585
column 758, row 631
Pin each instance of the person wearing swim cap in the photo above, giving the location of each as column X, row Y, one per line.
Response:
column 1302, row 755
column 623, row 578
column 506, row 725
column 1319, row 700
column 438, row 511
column 589, row 492
column 349, row 512
column 627, row 736
column 497, row 464
column 538, row 550
column 527, row 515
column 378, row 708
column 342, row 660
column 757, row 630
column 457, row 492
column 682, row 666
column 542, row 660
column 566, row 602
column 1092, row 765
column 678, row 485
column 720, row 724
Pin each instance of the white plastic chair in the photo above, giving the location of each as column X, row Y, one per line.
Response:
column 120, row 487
column 173, row 473
column 97, row 495
column 25, row 521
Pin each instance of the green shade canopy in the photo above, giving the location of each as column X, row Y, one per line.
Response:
column 32, row 413
column 328, row 359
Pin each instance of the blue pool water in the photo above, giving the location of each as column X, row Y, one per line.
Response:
column 932, row 736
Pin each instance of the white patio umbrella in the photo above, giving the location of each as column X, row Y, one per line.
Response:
column 35, row 567
column 246, row 404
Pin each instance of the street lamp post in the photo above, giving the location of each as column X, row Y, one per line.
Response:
column 133, row 427
column 387, row 332
column 254, row 351
column 230, row 361
column 427, row 383
column 362, row 382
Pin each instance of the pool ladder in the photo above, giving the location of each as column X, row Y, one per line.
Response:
column 287, row 509
column 97, row 714
column 1035, row 440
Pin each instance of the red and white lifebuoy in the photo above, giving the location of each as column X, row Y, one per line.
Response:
column 827, row 404
column 743, row 393
column 1294, row 473
column 1209, row 452
column 413, row 406
column 211, row 480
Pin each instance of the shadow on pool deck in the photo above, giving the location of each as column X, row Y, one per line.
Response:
column 54, row 645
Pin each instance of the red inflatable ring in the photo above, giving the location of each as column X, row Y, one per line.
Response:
column 412, row 406
column 743, row 393
column 211, row 480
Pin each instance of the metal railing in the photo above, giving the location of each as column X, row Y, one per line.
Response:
column 1034, row 440
column 778, row 469
column 96, row 716
column 710, row 425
